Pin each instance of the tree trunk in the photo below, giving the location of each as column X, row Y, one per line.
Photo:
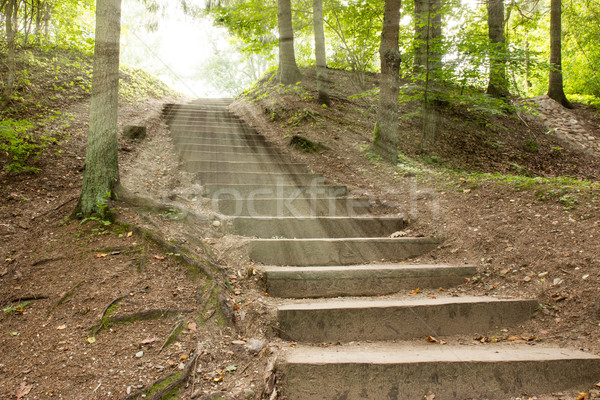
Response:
column 385, row 140
column 11, row 60
column 38, row 23
column 497, row 85
column 320, row 53
column 428, row 34
column 101, row 173
column 288, row 72
column 555, row 81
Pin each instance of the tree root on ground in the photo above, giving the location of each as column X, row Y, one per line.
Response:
column 185, row 374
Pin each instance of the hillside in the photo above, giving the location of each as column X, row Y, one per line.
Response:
column 520, row 203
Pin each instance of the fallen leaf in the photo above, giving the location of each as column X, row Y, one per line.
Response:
column 61, row 327
column 149, row 341
column 23, row 390
column 218, row 379
column 431, row 339
column 583, row 396
column 159, row 258
column 91, row 340
column 129, row 234
column 101, row 255
column 598, row 384
column 231, row 368
column 416, row 291
column 183, row 357
column 192, row 327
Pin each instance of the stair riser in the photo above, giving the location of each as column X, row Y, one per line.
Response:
column 313, row 284
column 306, row 253
column 316, row 228
column 292, row 208
column 447, row 380
column 401, row 323
column 251, row 192
column 234, row 167
column 256, row 178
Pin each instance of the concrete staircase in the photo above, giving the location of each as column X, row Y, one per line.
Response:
column 316, row 243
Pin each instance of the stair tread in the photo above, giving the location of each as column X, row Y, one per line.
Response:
column 415, row 352
column 401, row 301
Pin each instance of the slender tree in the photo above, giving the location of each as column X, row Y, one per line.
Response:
column 428, row 34
column 497, row 85
column 288, row 72
column 385, row 140
column 320, row 53
column 101, row 173
column 11, row 61
column 555, row 81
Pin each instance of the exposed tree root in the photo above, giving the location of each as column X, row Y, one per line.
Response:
column 65, row 297
column 101, row 324
column 149, row 314
column 185, row 374
column 173, row 335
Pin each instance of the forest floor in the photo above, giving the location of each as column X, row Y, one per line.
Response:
column 89, row 307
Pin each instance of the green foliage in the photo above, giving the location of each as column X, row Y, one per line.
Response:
column 15, row 308
column 137, row 84
column 19, row 146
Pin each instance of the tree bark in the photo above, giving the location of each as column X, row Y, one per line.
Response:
column 320, row 53
column 555, row 81
column 497, row 85
column 101, row 173
column 385, row 138
column 288, row 72
column 428, row 34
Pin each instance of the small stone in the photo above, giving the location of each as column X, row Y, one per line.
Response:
column 216, row 224
column 128, row 389
column 238, row 342
column 557, row 281
column 527, row 279
column 139, row 354
column 543, row 274
column 255, row 345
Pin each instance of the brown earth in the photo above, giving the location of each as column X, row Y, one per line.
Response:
column 535, row 239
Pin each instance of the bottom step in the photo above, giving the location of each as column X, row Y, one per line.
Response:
column 360, row 280
column 411, row 371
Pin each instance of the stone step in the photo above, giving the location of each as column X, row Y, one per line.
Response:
column 413, row 370
column 317, row 227
column 309, row 252
column 360, row 280
column 285, row 207
column 233, row 157
column 349, row 320
column 198, row 137
column 202, row 129
column 221, row 148
column 251, row 192
column 224, row 167
column 250, row 140
column 256, row 178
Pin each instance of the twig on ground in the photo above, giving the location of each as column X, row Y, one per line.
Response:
column 100, row 324
column 173, row 335
column 65, row 297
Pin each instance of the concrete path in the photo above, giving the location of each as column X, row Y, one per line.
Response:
column 317, row 244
